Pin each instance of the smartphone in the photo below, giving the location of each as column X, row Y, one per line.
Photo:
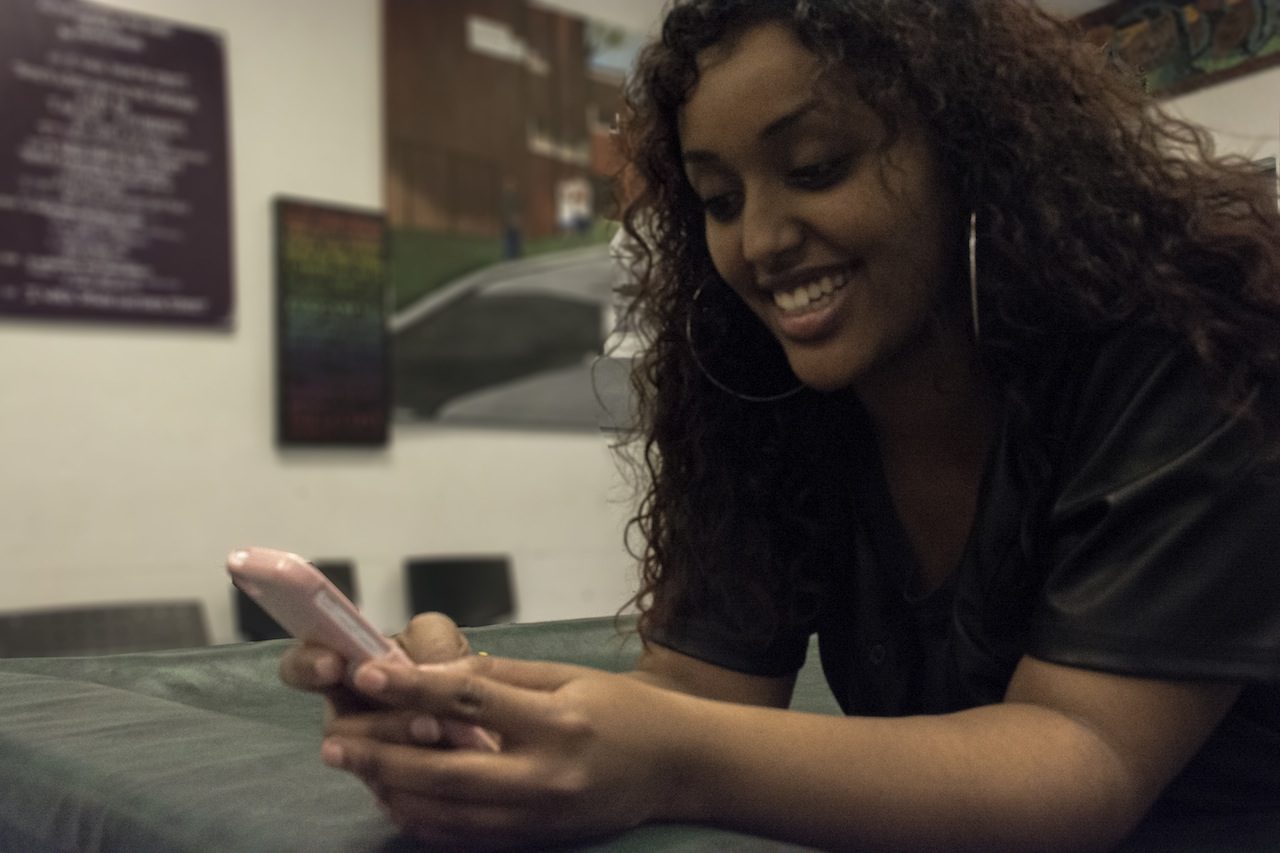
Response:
column 308, row 605
column 311, row 608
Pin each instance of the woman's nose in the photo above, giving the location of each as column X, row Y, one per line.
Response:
column 770, row 234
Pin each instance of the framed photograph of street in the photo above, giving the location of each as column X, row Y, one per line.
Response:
column 499, row 184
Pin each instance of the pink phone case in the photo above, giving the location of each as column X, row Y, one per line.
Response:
column 308, row 605
column 311, row 608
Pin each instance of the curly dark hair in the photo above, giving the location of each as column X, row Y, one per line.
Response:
column 1095, row 209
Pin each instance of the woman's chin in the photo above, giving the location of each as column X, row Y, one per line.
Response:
column 822, row 378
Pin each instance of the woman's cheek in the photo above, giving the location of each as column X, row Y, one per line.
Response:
column 720, row 242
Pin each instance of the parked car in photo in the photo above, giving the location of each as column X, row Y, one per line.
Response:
column 518, row 343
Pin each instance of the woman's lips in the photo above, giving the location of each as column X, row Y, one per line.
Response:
column 809, row 311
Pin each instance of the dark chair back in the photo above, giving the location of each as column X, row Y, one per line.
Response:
column 103, row 629
column 470, row 590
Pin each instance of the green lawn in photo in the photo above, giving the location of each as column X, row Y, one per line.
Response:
column 421, row 261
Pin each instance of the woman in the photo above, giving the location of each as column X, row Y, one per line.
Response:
column 960, row 357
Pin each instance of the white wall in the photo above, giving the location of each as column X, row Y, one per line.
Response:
column 135, row 459
column 1244, row 114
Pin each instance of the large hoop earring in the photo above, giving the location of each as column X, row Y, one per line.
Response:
column 973, row 276
column 693, row 350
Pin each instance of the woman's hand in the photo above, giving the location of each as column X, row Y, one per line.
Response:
column 429, row 638
column 584, row 752
column 433, row 638
column 318, row 669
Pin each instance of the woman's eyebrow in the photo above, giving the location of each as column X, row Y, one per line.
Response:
column 783, row 123
column 774, row 128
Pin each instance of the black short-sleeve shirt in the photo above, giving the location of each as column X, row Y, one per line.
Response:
column 1125, row 523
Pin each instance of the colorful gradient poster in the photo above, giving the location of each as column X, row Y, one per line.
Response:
column 332, row 349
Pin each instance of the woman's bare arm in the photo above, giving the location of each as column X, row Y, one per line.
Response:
column 1070, row 761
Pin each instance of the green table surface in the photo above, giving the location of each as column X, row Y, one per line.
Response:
column 205, row 750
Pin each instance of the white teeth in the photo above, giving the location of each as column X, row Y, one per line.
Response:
column 801, row 296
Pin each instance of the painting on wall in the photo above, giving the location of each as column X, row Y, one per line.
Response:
column 499, row 169
column 1181, row 45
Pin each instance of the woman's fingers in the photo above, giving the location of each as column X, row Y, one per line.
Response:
column 455, row 692
column 471, row 691
column 565, row 763
column 472, row 800
column 449, row 704
column 402, row 727
column 310, row 667
column 532, row 674
column 433, row 638
column 468, row 736
column 456, row 774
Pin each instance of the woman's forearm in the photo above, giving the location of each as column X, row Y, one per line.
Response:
column 1003, row 777
column 1070, row 762
column 671, row 670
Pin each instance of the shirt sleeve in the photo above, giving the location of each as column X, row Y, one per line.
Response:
column 722, row 644
column 716, row 644
column 721, row 638
column 1162, row 543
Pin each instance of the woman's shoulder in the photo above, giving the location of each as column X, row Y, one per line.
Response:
column 1128, row 401
column 1132, row 402
column 1098, row 380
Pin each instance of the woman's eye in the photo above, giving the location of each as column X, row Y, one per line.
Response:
column 721, row 208
column 818, row 176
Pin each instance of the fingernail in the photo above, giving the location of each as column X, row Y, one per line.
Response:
column 370, row 679
column 328, row 669
column 331, row 753
column 424, row 729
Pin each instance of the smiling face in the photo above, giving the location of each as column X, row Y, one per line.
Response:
column 834, row 239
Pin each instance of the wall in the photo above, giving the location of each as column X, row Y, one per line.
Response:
column 1244, row 114
column 135, row 458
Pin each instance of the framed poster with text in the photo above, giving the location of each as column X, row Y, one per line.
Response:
column 332, row 350
column 114, row 199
